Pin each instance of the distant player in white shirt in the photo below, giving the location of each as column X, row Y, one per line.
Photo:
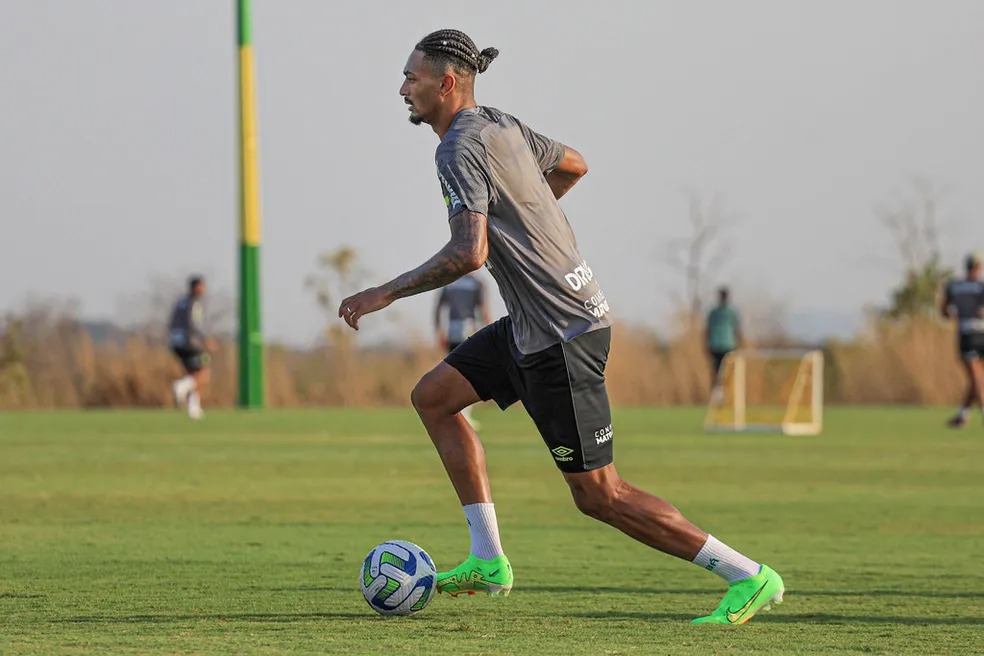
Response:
column 963, row 300
column 460, row 306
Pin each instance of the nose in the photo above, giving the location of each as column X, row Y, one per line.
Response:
column 403, row 89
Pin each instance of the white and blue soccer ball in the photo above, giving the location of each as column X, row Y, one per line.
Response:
column 398, row 578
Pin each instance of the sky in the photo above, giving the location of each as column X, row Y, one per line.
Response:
column 118, row 148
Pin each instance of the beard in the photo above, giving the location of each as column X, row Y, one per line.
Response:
column 415, row 118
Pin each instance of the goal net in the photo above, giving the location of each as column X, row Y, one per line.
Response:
column 768, row 391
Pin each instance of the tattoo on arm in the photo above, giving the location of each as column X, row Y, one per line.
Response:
column 465, row 252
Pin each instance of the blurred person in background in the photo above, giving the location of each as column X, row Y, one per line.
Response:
column 191, row 345
column 963, row 300
column 722, row 334
column 460, row 311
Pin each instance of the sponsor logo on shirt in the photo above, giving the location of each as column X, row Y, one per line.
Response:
column 580, row 276
column 451, row 198
column 597, row 305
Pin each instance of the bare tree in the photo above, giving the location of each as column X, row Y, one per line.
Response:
column 764, row 318
column 339, row 274
column 701, row 251
column 914, row 222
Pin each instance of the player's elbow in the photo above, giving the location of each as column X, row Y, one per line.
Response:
column 574, row 164
column 582, row 168
column 475, row 258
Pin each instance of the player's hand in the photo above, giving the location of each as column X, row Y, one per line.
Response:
column 356, row 306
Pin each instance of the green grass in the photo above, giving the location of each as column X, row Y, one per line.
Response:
column 141, row 532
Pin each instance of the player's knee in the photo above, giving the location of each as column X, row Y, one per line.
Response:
column 426, row 396
column 597, row 498
column 420, row 396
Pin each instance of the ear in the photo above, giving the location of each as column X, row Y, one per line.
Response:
column 448, row 84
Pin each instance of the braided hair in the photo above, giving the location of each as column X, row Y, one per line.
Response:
column 456, row 49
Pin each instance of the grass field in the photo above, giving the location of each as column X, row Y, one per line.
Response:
column 141, row 532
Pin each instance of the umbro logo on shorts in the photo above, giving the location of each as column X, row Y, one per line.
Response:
column 562, row 453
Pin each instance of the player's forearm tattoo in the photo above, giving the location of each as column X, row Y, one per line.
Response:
column 465, row 252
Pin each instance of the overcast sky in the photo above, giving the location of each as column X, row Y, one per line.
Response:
column 118, row 148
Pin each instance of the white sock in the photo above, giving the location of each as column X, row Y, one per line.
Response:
column 962, row 413
column 484, row 530
column 715, row 556
column 184, row 385
column 194, row 403
column 466, row 412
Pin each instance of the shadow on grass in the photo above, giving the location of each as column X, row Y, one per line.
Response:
column 289, row 618
column 799, row 618
column 580, row 589
column 221, row 617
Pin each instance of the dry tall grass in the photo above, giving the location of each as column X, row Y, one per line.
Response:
column 48, row 360
column 911, row 361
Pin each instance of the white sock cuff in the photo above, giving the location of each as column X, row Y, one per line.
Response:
column 717, row 557
column 483, row 528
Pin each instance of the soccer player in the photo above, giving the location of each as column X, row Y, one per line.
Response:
column 501, row 182
column 463, row 303
column 963, row 300
column 191, row 345
column 723, row 334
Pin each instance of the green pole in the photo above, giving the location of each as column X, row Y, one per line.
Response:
column 251, row 385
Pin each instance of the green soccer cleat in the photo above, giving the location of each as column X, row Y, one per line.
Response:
column 746, row 597
column 494, row 577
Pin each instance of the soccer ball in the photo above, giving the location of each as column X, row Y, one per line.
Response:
column 398, row 578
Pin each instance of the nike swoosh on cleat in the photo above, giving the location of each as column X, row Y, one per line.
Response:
column 735, row 615
column 494, row 573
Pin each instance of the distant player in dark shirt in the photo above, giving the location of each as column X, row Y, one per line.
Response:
column 191, row 345
column 461, row 309
column 963, row 300
column 501, row 182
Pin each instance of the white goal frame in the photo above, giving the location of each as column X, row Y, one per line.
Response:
column 810, row 369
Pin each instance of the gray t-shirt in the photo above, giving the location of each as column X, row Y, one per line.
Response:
column 186, row 327
column 492, row 164
column 967, row 298
column 463, row 299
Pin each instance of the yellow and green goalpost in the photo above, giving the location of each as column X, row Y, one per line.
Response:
column 250, row 334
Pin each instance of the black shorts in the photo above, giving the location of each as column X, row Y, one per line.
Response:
column 971, row 346
column 561, row 387
column 193, row 360
column 717, row 358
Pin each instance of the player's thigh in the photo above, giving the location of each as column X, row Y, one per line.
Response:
column 564, row 393
column 717, row 359
column 443, row 389
column 970, row 350
column 485, row 361
column 192, row 361
column 973, row 357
